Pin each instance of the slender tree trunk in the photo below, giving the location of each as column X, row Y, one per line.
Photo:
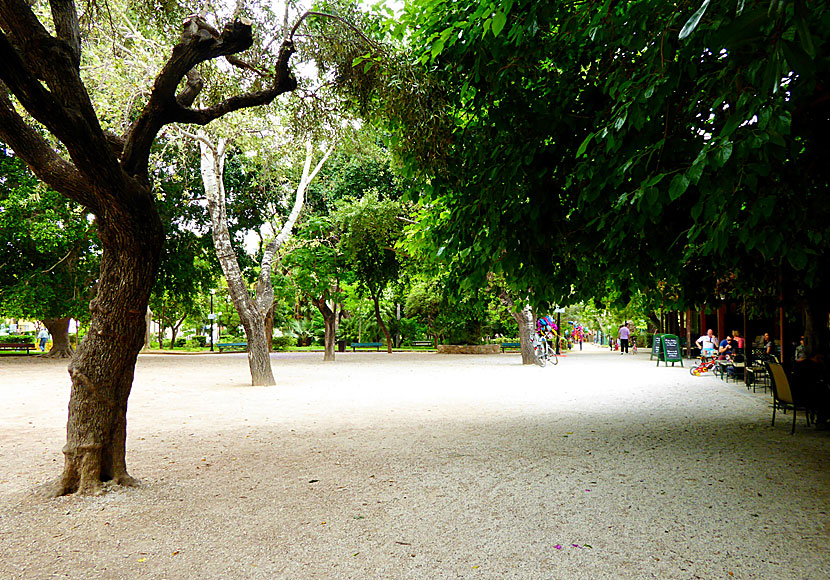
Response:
column 148, row 320
column 524, row 320
column 376, row 300
column 161, row 327
column 269, row 328
column 250, row 313
column 103, row 366
column 330, row 323
column 59, row 329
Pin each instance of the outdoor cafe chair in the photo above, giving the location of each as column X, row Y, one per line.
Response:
column 782, row 394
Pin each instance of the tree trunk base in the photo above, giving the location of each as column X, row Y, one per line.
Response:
column 60, row 352
column 87, row 486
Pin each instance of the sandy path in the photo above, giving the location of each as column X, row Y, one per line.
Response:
column 415, row 466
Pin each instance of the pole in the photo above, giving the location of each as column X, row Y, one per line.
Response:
column 211, row 321
column 559, row 326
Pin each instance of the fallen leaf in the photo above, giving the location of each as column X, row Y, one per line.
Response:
column 174, row 553
column 142, row 559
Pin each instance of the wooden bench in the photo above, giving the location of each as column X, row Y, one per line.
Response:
column 422, row 343
column 514, row 345
column 356, row 345
column 27, row 346
column 232, row 345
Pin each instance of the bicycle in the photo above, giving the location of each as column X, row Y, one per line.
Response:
column 706, row 364
column 543, row 350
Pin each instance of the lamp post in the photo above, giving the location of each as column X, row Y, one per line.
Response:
column 558, row 312
column 212, row 316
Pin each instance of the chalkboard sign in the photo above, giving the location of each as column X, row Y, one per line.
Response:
column 656, row 347
column 671, row 350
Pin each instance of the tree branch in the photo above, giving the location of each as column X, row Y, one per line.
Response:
column 198, row 44
column 66, row 24
column 32, row 148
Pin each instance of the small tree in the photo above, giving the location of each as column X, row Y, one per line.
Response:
column 369, row 229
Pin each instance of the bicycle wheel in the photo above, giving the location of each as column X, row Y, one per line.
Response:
column 694, row 371
column 540, row 356
column 553, row 358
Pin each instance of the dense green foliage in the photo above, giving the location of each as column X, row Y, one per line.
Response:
column 48, row 248
column 595, row 151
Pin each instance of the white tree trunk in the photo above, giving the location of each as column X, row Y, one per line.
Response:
column 252, row 311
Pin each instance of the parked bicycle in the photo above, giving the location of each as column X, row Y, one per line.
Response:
column 543, row 350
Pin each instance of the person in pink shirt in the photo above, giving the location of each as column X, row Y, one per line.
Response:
column 624, row 335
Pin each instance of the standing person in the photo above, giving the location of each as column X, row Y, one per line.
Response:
column 769, row 346
column 624, row 334
column 42, row 337
column 739, row 340
column 708, row 343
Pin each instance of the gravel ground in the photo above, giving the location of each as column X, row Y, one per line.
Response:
column 419, row 466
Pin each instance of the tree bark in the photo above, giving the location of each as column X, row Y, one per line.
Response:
column 59, row 329
column 330, row 324
column 524, row 320
column 148, row 319
column 102, row 368
column 376, row 300
column 269, row 328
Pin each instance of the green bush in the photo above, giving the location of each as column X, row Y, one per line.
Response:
column 17, row 338
column 181, row 342
column 198, row 340
column 283, row 342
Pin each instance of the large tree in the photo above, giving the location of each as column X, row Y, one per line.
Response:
column 48, row 253
column 108, row 174
column 603, row 145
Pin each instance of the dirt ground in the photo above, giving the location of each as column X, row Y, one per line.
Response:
column 411, row 466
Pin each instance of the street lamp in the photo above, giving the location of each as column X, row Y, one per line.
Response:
column 211, row 317
column 558, row 312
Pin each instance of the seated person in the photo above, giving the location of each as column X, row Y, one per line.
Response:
column 708, row 344
column 726, row 348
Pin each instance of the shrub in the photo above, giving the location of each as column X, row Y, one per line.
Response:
column 282, row 342
column 18, row 338
column 199, row 340
column 181, row 342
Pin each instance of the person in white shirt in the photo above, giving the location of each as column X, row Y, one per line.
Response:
column 624, row 336
column 707, row 343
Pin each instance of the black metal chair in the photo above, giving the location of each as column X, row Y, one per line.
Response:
column 782, row 394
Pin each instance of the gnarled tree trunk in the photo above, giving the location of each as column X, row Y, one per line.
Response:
column 59, row 329
column 102, row 368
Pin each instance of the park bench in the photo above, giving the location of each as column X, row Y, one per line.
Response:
column 232, row 345
column 422, row 343
column 356, row 345
column 513, row 345
column 27, row 346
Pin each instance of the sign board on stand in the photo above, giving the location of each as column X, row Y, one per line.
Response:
column 670, row 350
column 656, row 347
